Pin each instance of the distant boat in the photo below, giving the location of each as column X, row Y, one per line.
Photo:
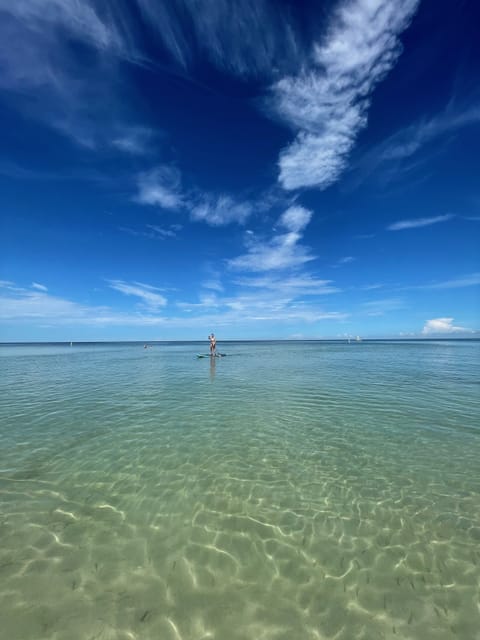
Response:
column 358, row 339
column 71, row 344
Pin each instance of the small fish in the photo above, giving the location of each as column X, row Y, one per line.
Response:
column 144, row 617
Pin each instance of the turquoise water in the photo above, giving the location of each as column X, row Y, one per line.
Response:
column 288, row 491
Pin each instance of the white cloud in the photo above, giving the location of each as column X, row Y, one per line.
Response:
column 73, row 96
column 39, row 287
column 282, row 251
column 161, row 186
column 467, row 281
column 408, row 141
column 153, row 231
column 292, row 286
column 161, row 232
column 382, row 306
column 22, row 304
column 295, row 218
column 400, row 153
column 245, row 38
column 219, row 210
column 418, row 222
column 149, row 295
column 133, row 140
column 344, row 260
column 36, row 307
column 442, row 325
column 214, row 285
column 327, row 103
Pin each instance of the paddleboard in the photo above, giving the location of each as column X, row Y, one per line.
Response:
column 209, row 355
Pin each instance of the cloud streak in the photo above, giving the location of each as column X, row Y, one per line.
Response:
column 280, row 252
column 148, row 295
column 415, row 223
column 39, row 308
column 76, row 97
column 327, row 102
column 162, row 187
column 245, row 38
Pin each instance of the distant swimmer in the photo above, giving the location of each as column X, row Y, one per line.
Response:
column 213, row 344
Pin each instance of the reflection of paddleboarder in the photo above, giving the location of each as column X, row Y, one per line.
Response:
column 213, row 362
column 213, row 344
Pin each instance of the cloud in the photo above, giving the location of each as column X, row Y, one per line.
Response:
column 345, row 260
column 327, row 102
column 153, row 231
column 418, row 222
column 148, row 295
column 442, row 325
column 282, row 251
column 244, row 38
column 408, row 141
column 470, row 280
column 295, row 218
column 17, row 303
column 382, row 306
column 291, row 286
column 77, row 95
column 134, row 140
column 219, row 210
column 37, row 307
column 161, row 186
column 39, row 287
column 400, row 154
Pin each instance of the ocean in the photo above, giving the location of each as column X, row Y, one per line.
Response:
column 290, row 490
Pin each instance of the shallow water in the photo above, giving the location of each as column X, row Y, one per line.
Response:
column 290, row 490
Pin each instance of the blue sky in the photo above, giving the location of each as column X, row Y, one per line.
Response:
column 260, row 169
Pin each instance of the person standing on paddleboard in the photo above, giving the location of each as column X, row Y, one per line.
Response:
column 213, row 344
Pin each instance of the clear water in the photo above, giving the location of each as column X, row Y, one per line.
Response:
column 289, row 490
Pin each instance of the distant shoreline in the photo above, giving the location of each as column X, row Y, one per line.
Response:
column 235, row 341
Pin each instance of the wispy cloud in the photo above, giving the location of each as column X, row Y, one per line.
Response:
column 401, row 153
column 408, row 141
column 148, row 295
column 153, row 231
column 280, row 252
column 35, row 307
column 414, row 223
column 327, row 103
column 134, row 140
column 343, row 261
column 38, row 40
column 442, row 325
column 382, row 306
column 161, row 186
column 39, row 287
column 470, row 280
column 304, row 284
column 19, row 303
column 245, row 38
column 220, row 210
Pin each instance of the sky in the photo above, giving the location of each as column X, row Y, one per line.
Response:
column 262, row 169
